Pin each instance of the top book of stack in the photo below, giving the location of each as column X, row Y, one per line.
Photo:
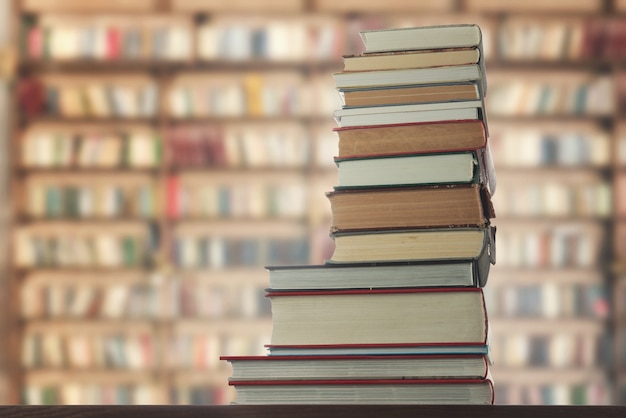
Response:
column 415, row 66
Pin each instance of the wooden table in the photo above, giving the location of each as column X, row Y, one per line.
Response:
column 307, row 411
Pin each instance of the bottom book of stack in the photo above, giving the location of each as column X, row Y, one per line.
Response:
column 362, row 379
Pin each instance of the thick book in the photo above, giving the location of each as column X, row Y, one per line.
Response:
column 410, row 76
column 413, row 113
column 397, row 95
column 410, row 138
column 409, row 207
column 417, row 245
column 411, row 59
column 375, row 392
column 442, row 315
column 358, row 367
column 446, row 168
column 375, row 275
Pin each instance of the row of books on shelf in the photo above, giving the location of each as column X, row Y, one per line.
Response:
column 255, row 94
column 541, row 96
column 90, row 393
column 50, row 147
column 525, row 146
column 583, row 393
column 99, row 250
column 561, row 39
column 88, row 300
column 197, row 252
column 110, row 38
column 191, row 299
column 240, row 145
column 107, row 38
column 115, row 38
column 236, row 198
column 560, row 246
column 275, row 94
column 553, row 351
column 89, row 98
column 549, row 300
column 50, row 350
column 559, row 198
column 274, row 39
column 95, row 197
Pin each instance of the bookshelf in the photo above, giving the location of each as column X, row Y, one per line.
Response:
column 144, row 212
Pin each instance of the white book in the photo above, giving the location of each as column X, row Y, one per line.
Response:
column 426, row 37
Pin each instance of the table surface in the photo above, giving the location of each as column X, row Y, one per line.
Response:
column 315, row 411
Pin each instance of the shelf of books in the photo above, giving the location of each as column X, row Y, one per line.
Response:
column 159, row 164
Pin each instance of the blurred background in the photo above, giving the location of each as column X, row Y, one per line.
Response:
column 159, row 153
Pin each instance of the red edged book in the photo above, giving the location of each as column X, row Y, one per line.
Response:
column 441, row 316
column 383, row 391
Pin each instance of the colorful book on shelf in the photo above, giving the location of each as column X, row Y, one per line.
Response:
column 410, row 94
column 411, row 113
column 250, row 368
column 383, row 391
column 440, row 316
column 376, row 275
column 409, row 207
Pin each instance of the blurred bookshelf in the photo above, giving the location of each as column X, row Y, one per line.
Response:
column 158, row 163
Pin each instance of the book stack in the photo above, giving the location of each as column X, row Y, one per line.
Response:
column 397, row 315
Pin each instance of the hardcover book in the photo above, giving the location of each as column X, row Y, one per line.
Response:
column 375, row 275
column 358, row 367
column 409, row 207
column 410, row 138
column 442, row 316
column 384, row 391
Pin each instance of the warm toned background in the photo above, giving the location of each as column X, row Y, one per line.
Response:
column 555, row 106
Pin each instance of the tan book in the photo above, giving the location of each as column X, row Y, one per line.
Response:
column 411, row 59
column 408, row 95
column 414, row 245
column 410, row 207
column 413, row 138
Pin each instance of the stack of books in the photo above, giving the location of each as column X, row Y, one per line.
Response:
column 397, row 315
